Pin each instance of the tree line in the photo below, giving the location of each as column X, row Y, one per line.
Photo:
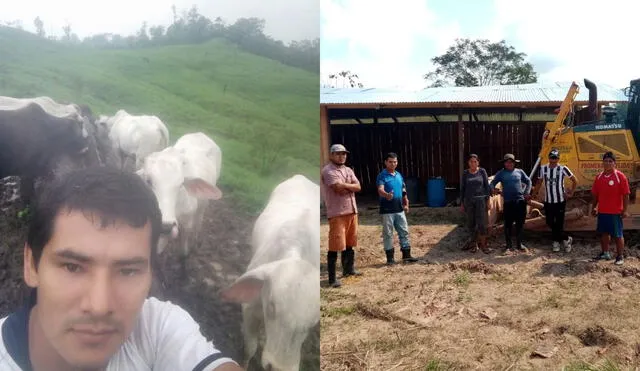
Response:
column 191, row 27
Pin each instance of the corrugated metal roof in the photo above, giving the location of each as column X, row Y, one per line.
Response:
column 524, row 93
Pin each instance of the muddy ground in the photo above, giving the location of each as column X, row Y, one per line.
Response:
column 455, row 310
column 222, row 258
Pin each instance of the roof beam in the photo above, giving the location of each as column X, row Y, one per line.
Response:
column 452, row 105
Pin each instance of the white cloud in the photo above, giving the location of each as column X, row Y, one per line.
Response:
column 383, row 39
column 568, row 39
column 589, row 41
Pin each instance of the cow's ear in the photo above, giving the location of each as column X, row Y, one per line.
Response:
column 248, row 287
column 200, row 188
column 245, row 290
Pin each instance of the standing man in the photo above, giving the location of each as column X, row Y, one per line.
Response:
column 339, row 187
column 393, row 204
column 611, row 196
column 515, row 198
column 555, row 197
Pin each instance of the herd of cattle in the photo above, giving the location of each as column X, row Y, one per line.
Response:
column 280, row 291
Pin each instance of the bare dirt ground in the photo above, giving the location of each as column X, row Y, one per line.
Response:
column 455, row 310
column 222, row 258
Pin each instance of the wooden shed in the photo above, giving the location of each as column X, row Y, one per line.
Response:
column 434, row 129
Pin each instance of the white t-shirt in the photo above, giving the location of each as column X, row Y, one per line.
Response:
column 164, row 338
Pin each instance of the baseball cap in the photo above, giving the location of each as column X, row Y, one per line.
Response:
column 338, row 148
column 509, row 156
column 554, row 153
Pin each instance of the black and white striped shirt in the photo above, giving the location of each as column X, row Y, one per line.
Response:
column 554, row 182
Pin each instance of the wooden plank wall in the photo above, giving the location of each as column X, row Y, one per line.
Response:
column 427, row 150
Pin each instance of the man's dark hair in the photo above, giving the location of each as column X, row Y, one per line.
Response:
column 390, row 155
column 103, row 192
column 609, row 155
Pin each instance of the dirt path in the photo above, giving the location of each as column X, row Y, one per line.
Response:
column 222, row 258
column 458, row 310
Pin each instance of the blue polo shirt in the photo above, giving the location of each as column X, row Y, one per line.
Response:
column 393, row 182
column 512, row 182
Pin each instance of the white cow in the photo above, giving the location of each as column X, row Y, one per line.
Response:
column 135, row 137
column 280, row 291
column 183, row 178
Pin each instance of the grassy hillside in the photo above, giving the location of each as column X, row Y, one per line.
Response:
column 262, row 113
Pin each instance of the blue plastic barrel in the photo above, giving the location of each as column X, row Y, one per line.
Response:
column 413, row 189
column 436, row 192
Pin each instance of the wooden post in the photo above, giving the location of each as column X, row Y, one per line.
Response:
column 324, row 136
column 460, row 144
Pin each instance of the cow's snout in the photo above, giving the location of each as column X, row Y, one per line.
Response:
column 171, row 229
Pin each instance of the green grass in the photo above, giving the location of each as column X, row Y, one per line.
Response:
column 263, row 114
column 606, row 365
column 462, row 279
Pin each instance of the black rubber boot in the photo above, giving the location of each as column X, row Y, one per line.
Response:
column 406, row 256
column 344, row 260
column 332, row 259
column 390, row 260
column 351, row 257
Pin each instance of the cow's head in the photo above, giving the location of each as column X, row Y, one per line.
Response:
column 72, row 149
column 289, row 292
column 167, row 174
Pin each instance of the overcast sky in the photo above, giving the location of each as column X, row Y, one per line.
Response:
column 286, row 20
column 390, row 43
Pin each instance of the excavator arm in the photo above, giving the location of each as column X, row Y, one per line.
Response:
column 554, row 129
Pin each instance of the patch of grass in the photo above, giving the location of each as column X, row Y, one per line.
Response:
column 516, row 351
column 500, row 277
column 462, row 279
column 439, row 365
column 607, row 365
column 338, row 312
column 262, row 114
column 387, row 301
column 551, row 301
column 464, row 297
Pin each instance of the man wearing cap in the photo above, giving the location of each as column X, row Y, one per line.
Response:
column 339, row 184
column 393, row 204
column 555, row 196
column 515, row 198
column 611, row 196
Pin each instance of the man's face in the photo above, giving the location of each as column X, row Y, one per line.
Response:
column 608, row 164
column 553, row 160
column 509, row 164
column 339, row 158
column 91, row 286
column 391, row 163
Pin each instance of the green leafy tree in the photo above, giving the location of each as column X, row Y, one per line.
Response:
column 481, row 62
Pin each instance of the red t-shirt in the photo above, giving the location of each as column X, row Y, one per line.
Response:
column 609, row 190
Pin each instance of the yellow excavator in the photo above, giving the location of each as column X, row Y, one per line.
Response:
column 581, row 143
